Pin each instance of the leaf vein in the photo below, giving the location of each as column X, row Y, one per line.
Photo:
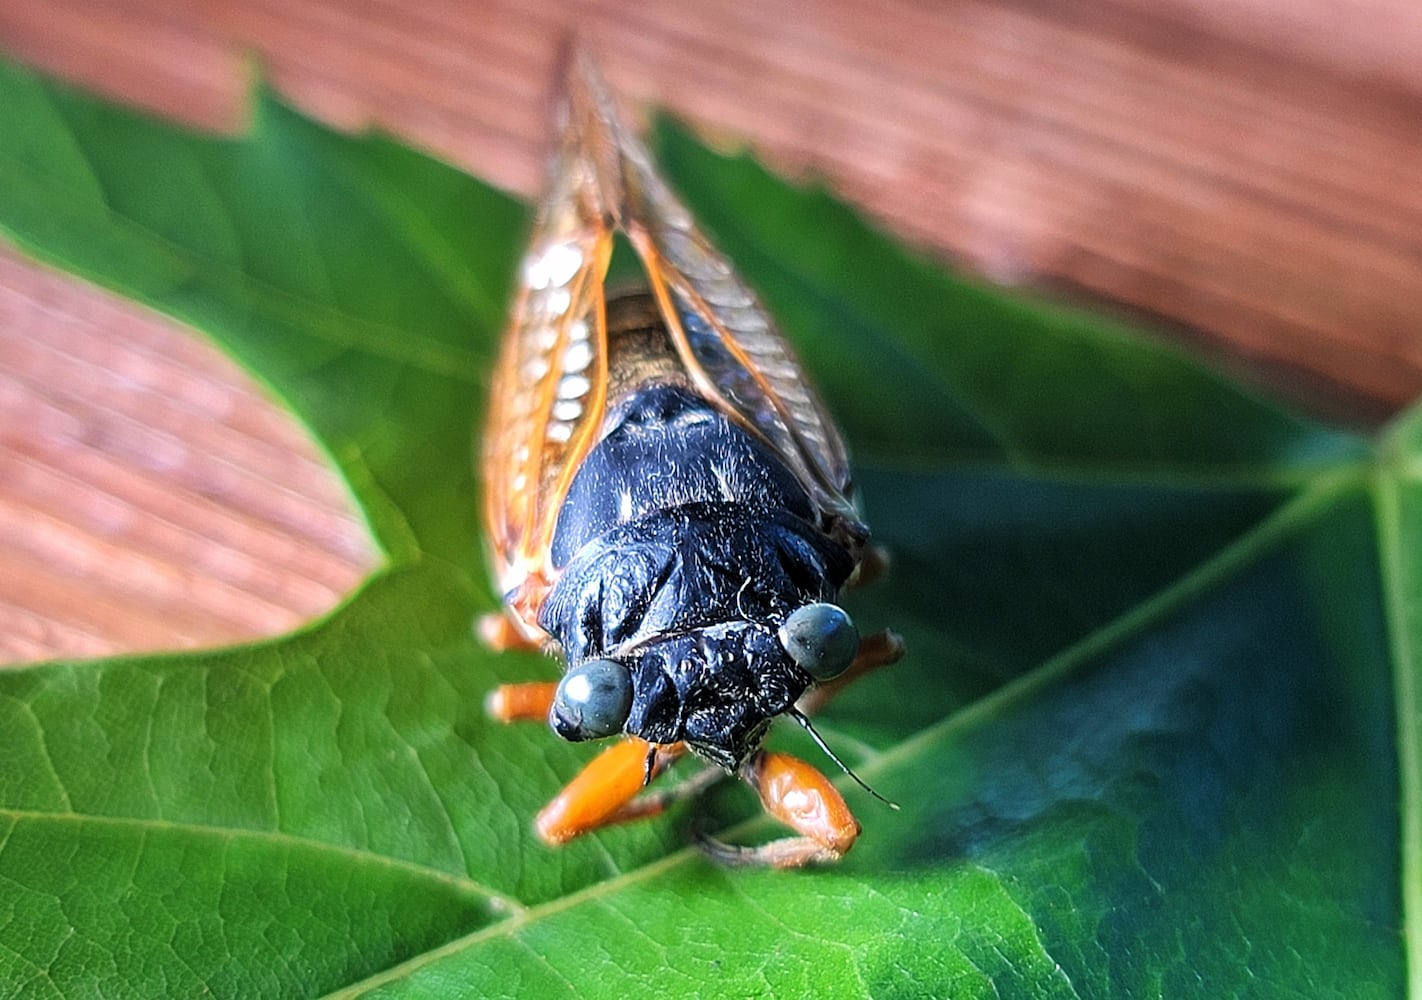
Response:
column 460, row 883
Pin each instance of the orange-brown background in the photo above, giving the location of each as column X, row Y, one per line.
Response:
column 1246, row 172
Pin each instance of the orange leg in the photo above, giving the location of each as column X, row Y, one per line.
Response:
column 528, row 702
column 804, row 800
column 500, row 634
column 798, row 795
column 606, row 790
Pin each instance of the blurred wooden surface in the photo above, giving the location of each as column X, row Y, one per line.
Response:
column 1248, row 173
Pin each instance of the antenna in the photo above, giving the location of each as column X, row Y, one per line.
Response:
column 804, row 721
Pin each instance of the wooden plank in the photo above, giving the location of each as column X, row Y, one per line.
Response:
column 150, row 496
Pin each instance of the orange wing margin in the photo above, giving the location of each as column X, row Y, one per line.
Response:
column 549, row 389
column 727, row 342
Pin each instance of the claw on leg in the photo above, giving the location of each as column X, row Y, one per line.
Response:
column 803, row 799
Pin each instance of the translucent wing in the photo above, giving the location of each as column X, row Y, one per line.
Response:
column 549, row 392
column 549, row 389
column 726, row 340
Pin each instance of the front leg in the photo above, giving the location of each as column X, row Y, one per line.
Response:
column 798, row 795
column 606, row 790
column 804, row 800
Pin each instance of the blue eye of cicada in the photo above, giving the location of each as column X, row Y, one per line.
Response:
column 592, row 700
column 821, row 640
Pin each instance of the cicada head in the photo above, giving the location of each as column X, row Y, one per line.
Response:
column 716, row 688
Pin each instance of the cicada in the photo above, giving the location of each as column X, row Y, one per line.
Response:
column 669, row 506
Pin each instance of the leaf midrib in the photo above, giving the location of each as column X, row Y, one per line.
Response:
column 1407, row 664
column 466, row 886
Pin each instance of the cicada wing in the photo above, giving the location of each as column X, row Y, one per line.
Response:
column 549, row 389
column 737, row 357
column 727, row 342
column 549, row 392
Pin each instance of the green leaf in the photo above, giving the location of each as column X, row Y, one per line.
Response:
column 1158, row 732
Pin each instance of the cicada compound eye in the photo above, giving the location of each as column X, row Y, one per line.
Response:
column 821, row 639
column 592, row 700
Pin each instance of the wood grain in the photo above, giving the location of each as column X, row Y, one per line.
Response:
column 1249, row 177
